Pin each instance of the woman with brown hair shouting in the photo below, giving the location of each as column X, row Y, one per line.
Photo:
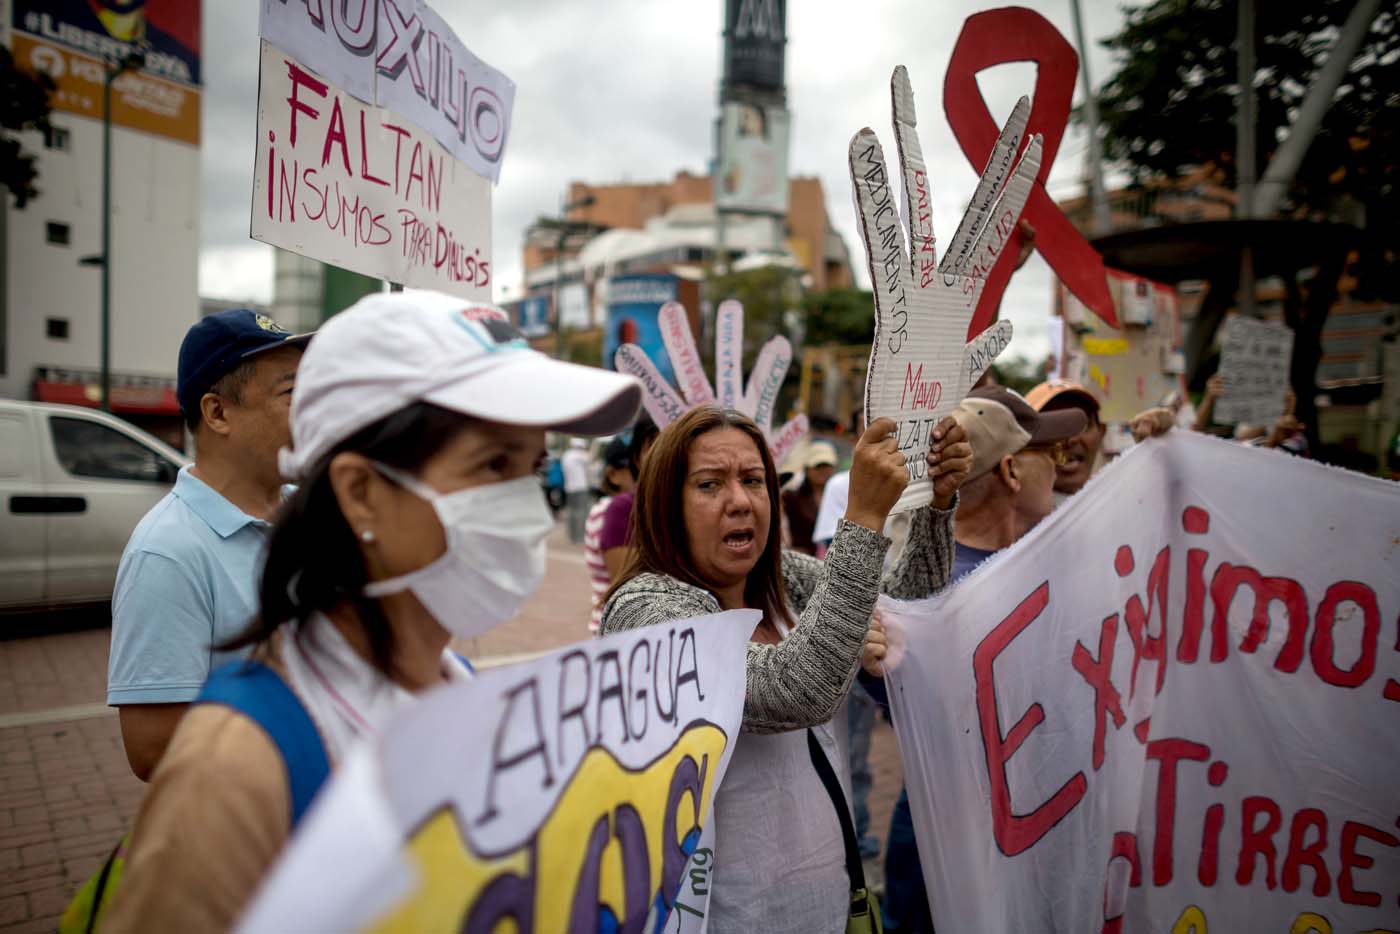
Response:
column 707, row 534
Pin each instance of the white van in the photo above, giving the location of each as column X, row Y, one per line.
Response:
column 73, row 484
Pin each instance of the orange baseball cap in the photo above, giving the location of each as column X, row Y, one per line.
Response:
column 1071, row 393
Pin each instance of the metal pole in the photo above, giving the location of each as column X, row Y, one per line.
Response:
column 1244, row 148
column 106, row 363
column 1323, row 90
column 558, row 293
column 1103, row 218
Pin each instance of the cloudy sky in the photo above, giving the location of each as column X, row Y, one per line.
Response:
column 614, row 90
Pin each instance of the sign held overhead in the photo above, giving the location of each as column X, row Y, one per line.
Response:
column 1255, row 357
column 921, row 362
column 402, row 56
column 362, row 188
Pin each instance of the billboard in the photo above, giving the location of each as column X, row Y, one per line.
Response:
column 753, row 159
column 634, row 304
column 755, row 36
column 74, row 41
column 531, row 315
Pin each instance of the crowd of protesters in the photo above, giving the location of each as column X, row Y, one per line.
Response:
column 260, row 630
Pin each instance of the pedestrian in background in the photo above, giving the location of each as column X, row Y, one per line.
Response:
column 577, row 489
column 187, row 579
column 418, row 518
column 615, row 537
column 618, row 477
column 801, row 505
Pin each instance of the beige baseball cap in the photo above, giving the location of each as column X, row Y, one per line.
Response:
column 819, row 453
column 999, row 421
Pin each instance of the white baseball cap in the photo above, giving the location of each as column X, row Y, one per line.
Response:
column 392, row 349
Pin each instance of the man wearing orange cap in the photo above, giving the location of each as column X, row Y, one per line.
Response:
column 1082, row 452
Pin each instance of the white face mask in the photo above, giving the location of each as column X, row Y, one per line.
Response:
column 495, row 555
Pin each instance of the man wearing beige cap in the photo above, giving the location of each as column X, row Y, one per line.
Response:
column 1015, row 453
column 800, row 505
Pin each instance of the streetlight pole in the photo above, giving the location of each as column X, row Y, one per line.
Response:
column 111, row 71
column 564, row 231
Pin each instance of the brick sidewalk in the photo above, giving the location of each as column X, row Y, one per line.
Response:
column 67, row 794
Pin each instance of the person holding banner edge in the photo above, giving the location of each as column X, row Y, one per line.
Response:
column 709, row 494
column 415, row 410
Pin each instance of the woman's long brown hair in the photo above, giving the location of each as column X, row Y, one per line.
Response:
column 658, row 513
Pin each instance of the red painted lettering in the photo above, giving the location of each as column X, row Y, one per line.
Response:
column 335, row 133
column 1323, row 648
column 1168, row 752
column 1098, row 673
column 1258, row 841
column 1145, row 644
column 1353, row 831
column 1015, row 833
column 1225, row 586
column 1310, row 854
column 364, row 157
column 301, row 78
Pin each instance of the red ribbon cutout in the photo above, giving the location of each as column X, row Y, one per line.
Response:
column 997, row 37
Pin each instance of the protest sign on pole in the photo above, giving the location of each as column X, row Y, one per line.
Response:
column 1170, row 707
column 400, row 55
column 570, row 793
column 362, row 188
column 1254, row 360
column 921, row 362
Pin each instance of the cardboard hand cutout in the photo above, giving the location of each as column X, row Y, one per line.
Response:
column 757, row 401
column 921, row 363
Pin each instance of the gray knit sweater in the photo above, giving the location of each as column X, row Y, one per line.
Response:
column 801, row 681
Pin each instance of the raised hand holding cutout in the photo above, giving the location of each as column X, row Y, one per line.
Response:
column 921, row 363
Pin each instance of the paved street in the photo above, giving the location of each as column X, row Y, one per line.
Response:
column 67, row 795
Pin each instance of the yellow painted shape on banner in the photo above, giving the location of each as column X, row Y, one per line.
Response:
column 1106, row 346
column 551, row 865
column 1097, row 375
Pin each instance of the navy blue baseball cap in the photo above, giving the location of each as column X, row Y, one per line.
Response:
column 219, row 342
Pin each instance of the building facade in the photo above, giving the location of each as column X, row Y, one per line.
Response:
column 50, row 299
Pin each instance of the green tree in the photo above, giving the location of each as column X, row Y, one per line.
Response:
column 1169, row 107
column 839, row 316
column 767, row 294
column 24, row 105
column 1019, row 373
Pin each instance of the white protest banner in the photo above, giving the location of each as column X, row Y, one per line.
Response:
column 400, row 55
column 570, row 793
column 758, row 401
column 921, row 363
column 1254, row 360
column 1172, row 706
column 361, row 188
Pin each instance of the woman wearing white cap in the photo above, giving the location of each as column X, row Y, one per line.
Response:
column 417, row 424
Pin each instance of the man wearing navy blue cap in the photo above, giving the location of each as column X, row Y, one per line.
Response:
column 188, row 578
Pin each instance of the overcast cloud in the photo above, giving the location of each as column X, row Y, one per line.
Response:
column 614, row 90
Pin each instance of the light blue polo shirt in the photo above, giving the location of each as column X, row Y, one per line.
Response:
column 188, row 580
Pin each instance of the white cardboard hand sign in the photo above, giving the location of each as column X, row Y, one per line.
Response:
column 757, row 401
column 921, row 365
